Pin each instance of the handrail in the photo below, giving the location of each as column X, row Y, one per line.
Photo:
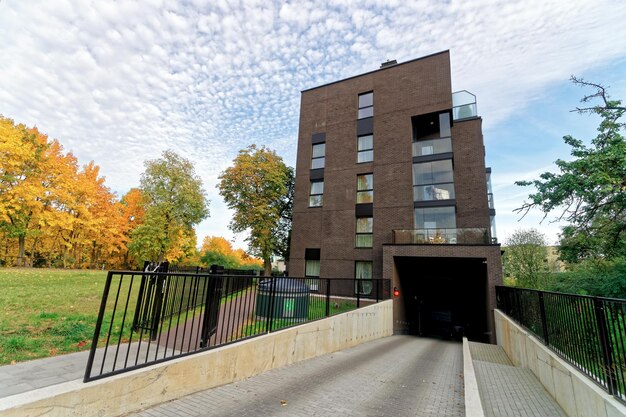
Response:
column 150, row 317
column 587, row 332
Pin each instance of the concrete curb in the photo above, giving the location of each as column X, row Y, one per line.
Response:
column 473, row 404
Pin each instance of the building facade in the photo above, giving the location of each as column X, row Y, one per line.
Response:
column 391, row 183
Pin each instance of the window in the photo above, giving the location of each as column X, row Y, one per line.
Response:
column 365, row 188
column 366, row 105
column 312, row 268
column 318, row 156
column 363, row 275
column 365, row 148
column 433, row 181
column 435, row 218
column 316, row 195
column 364, row 230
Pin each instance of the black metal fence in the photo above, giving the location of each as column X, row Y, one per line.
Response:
column 151, row 317
column 588, row 332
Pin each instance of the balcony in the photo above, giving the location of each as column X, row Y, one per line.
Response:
column 432, row 146
column 473, row 236
column 463, row 105
column 490, row 200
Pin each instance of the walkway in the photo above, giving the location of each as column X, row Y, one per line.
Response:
column 509, row 391
column 395, row 376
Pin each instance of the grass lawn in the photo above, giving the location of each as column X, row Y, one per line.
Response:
column 45, row 312
column 316, row 310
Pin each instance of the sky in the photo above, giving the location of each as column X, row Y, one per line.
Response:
column 119, row 82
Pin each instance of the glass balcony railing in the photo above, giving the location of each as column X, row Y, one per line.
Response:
column 474, row 236
column 490, row 200
column 463, row 105
column 432, row 146
column 430, row 192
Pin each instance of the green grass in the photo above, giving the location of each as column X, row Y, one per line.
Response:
column 45, row 312
column 317, row 310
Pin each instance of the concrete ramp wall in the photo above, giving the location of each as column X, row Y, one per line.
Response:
column 166, row 381
column 572, row 390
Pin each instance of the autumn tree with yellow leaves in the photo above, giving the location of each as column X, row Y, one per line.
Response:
column 216, row 250
column 55, row 213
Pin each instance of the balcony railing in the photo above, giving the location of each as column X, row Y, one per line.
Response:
column 463, row 105
column 432, row 146
column 490, row 200
column 475, row 236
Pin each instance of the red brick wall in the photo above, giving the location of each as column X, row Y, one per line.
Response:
column 417, row 87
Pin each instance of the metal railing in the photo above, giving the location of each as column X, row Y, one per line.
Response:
column 471, row 236
column 151, row 317
column 587, row 332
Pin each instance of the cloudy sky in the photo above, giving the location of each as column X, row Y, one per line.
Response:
column 118, row 82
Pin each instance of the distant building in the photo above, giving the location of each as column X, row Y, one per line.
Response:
column 391, row 183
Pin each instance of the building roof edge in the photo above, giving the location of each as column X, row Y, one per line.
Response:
column 376, row 70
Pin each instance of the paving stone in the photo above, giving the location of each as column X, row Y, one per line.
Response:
column 15, row 388
column 489, row 353
column 395, row 376
column 508, row 391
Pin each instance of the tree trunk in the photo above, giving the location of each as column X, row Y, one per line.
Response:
column 267, row 262
column 22, row 251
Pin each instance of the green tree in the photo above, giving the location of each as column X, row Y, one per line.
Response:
column 525, row 258
column 257, row 187
column 282, row 232
column 589, row 192
column 174, row 202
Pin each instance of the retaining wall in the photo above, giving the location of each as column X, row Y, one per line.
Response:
column 572, row 390
column 166, row 381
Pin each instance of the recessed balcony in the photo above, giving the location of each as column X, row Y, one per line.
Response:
column 465, row 236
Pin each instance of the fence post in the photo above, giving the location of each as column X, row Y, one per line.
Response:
column 327, row 297
column 544, row 321
column 158, row 303
column 605, row 344
column 214, row 286
column 377, row 292
column 96, row 333
column 270, row 318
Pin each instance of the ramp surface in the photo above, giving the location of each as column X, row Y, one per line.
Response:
column 394, row 376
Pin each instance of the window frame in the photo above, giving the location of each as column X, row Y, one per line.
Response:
column 318, row 158
column 313, row 281
column 365, row 191
column 369, row 233
column 320, row 195
column 364, row 289
column 365, row 150
column 434, row 209
column 432, row 182
column 366, row 108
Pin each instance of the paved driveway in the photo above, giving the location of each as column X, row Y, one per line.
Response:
column 396, row 376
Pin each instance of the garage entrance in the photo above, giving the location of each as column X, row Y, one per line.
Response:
column 444, row 297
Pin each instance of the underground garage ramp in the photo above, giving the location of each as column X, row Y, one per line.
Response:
column 444, row 297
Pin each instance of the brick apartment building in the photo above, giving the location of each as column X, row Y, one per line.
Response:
column 391, row 183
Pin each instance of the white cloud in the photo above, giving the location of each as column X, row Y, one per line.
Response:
column 119, row 82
